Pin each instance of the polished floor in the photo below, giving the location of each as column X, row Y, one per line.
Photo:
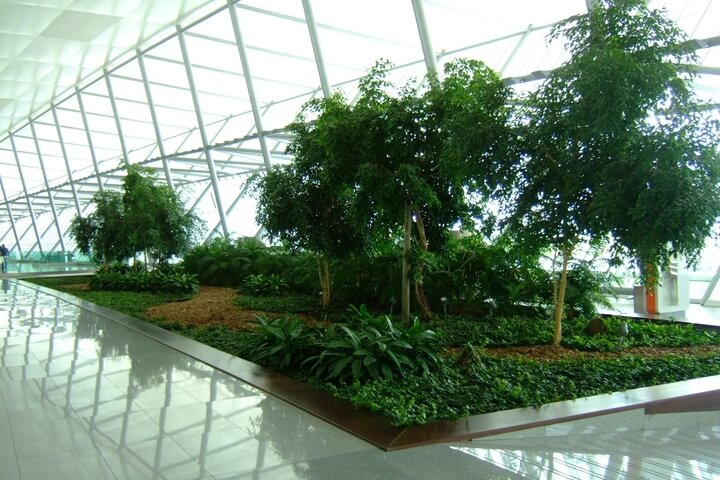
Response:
column 83, row 396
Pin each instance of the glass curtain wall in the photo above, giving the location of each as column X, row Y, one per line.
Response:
column 210, row 104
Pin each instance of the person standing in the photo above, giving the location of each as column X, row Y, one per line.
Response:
column 5, row 257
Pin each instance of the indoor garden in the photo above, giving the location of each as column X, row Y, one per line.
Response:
column 439, row 248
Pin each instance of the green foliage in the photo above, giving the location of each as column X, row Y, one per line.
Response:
column 373, row 347
column 616, row 146
column 155, row 219
column 469, row 272
column 457, row 331
column 144, row 218
column 592, row 116
column 372, row 279
column 143, row 281
column 475, row 110
column 120, row 267
column 586, row 289
column 228, row 263
column 130, row 303
column 502, row 278
column 234, row 342
column 281, row 343
column 641, row 333
column 491, row 384
column 102, row 234
column 261, row 285
column 59, row 283
column 360, row 168
column 472, row 272
column 223, row 262
column 447, row 390
column 175, row 283
column 288, row 303
column 306, row 203
column 658, row 144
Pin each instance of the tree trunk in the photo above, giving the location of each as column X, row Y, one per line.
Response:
column 419, row 288
column 324, row 274
column 557, row 336
column 554, row 280
column 405, row 293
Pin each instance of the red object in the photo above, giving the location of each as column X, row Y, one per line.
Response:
column 650, row 301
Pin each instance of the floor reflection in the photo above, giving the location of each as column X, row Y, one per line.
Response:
column 82, row 396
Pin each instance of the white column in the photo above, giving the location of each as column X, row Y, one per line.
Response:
column 203, row 133
column 27, row 197
column 317, row 51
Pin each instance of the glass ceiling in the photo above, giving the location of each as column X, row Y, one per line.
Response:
column 202, row 91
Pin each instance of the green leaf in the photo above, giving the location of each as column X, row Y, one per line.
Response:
column 338, row 367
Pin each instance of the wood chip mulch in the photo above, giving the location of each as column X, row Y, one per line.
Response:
column 214, row 305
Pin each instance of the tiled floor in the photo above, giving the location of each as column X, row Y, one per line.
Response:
column 84, row 397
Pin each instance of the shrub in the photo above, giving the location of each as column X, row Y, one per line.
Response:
column 229, row 263
column 261, row 285
column 222, row 262
column 375, row 348
column 472, row 271
column 142, row 281
column 586, row 288
column 368, row 279
column 174, row 282
column 289, row 303
column 281, row 343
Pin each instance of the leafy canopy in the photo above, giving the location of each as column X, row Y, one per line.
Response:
column 306, row 203
column 143, row 218
column 361, row 169
column 616, row 144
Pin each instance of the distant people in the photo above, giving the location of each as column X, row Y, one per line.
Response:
column 5, row 257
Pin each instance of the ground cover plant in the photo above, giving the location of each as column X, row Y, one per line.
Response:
column 167, row 279
column 449, row 367
column 132, row 303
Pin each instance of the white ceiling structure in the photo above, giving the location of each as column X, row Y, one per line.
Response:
column 202, row 90
column 48, row 47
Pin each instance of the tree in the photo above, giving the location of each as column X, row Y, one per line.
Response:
column 396, row 144
column 144, row 217
column 399, row 162
column 155, row 219
column 306, row 203
column 667, row 202
column 424, row 153
column 616, row 146
column 102, row 233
